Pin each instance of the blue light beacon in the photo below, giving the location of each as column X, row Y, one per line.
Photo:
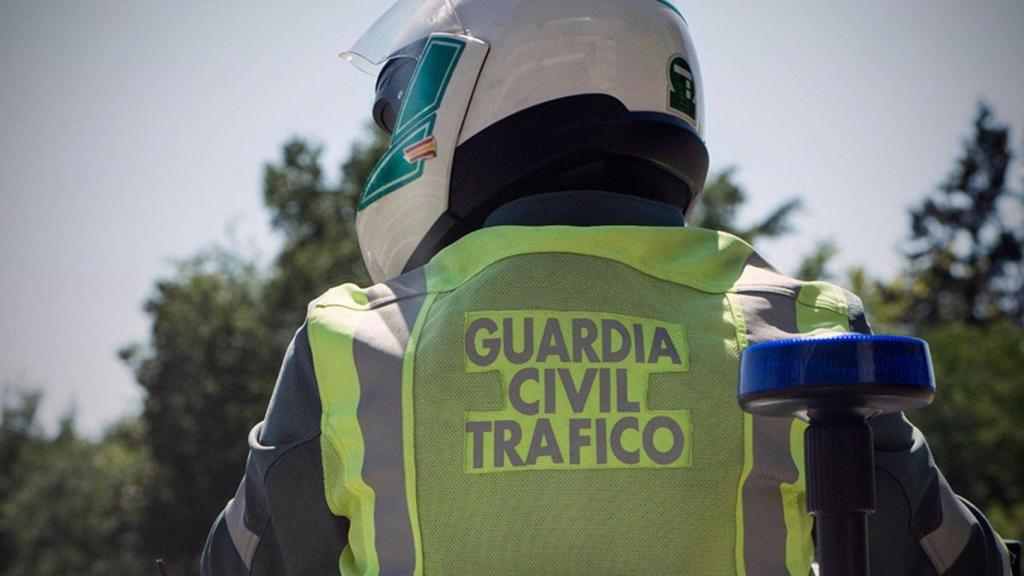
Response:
column 837, row 383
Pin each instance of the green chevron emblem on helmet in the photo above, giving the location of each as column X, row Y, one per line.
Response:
column 682, row 93
column 412, row 143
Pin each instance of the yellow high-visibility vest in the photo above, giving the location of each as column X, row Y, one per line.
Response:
column 562, row 400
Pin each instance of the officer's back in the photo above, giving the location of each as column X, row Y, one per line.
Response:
column 561, row 400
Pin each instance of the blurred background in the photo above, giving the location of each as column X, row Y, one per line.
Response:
column 177, row 181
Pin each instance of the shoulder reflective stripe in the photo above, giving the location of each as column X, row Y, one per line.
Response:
column 819, row 305
column 799, row 524
column 378, row 351
column 404, row 286
column 759, row 275
column 774, row 526
column 763, row 510
column 762, row 523
column 748, row 465
column 332, row 323
column 822, row 306
column 409, row 427
column 360, row 341
column 823, row 295
column 739, row 322
column 245, row 541
column 768, row 316
column 944, row 545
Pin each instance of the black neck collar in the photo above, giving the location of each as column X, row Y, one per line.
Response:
column 585, row 208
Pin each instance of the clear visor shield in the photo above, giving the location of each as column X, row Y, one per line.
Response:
column 400, row 28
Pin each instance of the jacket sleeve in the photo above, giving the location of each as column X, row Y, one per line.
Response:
column 278, row 522
column 920, row 526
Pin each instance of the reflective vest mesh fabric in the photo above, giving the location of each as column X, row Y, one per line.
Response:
column 434, row 444
column 589, row 521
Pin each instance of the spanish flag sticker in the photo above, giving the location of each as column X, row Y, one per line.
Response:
column 422, row 150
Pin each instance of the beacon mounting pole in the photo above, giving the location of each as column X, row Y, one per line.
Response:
column 837, row 383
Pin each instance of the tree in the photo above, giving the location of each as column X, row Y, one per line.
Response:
column 966, row 256
column 69, row 505
column 207, row 377
column 718, row 209
column 961, row 291
column 815, row 265
column 20, row 436
column 973, row 427
column 219, row 330
column 317, row 222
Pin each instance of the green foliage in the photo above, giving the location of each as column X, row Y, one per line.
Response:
column 974, row 426
column 317, row 220
column 720, row 205
column 962, row 291
column 885, row 311
column 815, row 265
column 206, row 379
column 70, row 505
column 20, row 436
column 219, row 328
column 966, row 251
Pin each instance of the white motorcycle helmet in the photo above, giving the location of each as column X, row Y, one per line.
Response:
column 488, row 101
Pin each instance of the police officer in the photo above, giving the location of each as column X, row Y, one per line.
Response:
column 542, row 381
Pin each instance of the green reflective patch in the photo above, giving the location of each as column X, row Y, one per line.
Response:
column 799, row 543
column 821, row 307
column 575, row 392
column 393, row 170
column 682, row 94
column 331, row 332
column 403, row 162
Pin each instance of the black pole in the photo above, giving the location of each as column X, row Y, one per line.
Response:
column 840, row 461
column 842, row 544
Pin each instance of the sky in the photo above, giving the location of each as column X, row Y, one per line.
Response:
column 134, row 134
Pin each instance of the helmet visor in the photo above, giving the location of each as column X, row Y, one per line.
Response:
column 405, row 23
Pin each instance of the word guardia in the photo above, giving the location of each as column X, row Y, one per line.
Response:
column 574, row 392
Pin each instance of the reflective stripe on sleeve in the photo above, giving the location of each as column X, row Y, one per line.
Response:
column 774, row 528
column 762, row 531
column 245, row 540
column 944, row 544
column 360, row 342
column 764, row 514
column 774, row 524
column 378, row 351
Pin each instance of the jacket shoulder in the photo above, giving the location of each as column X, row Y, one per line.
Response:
column 820, row 304
column 351, row 300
